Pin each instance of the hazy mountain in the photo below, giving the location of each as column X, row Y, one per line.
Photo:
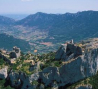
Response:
column 15, row 16
column 40, row 20
column 6, row 21
column 70, row 25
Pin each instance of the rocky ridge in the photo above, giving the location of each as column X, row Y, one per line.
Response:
column 79, row 61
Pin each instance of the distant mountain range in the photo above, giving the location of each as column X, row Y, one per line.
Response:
column 70, row 26
column 58, row 27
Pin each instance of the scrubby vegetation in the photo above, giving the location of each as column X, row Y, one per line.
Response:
column 7, row 42
column 2, row 83
column 23, row 64
column 2, row 63
column 94, row 81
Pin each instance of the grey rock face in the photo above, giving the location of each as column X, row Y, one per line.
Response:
column 67, row 52
column 49, row 75
column 34, row 77
column 81, row 67
column 21, row 80
column 15, row 53
column 72, row 71
column 5, row 59
column 3, row 73
column 75, row 67
column 61, row 53
column 14, row 79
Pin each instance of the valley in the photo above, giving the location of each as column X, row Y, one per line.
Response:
column 48, row 44
column 45, row 32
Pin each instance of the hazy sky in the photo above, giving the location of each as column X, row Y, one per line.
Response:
column 48, row 6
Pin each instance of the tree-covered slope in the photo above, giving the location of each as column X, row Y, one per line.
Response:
column 67, row 26
column 7, row 42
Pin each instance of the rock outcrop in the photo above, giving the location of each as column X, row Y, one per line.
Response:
column 18, row 80
column 72, row 71
column 3, row 73
column 75, row 66
column 80, row 66
column 68, row 51
column 5, row 58
column 15, row 53
column 49, row 75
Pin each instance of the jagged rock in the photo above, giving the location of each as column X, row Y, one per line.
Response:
column 42, row 86
column 48, row 75
column 77, row 66
column 67, row 52
column 34, row 77
column 27, row 84
column 5, row 59
column 81, row 67
column 21, row 80
column 3, row 73
column 15, row 53
column 14, row 80
column 69, row 73
column 17, row 50
column 61, row 53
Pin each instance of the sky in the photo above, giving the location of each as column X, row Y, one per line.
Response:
column 46, row 6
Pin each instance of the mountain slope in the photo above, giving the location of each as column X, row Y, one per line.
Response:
column 7, row 42
column 6, row 21
column 37, row 19
column 48, row 31
column 77, row 26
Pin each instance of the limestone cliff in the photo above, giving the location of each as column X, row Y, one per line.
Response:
column 77, row 64
column 72, row 71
